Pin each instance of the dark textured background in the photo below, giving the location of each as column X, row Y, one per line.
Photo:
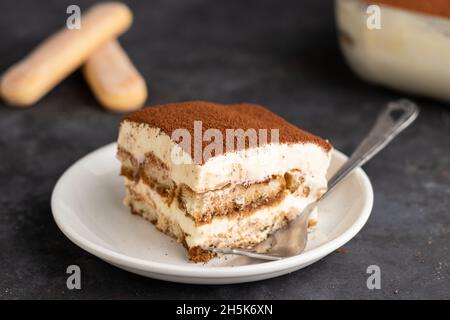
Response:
column 282, row 54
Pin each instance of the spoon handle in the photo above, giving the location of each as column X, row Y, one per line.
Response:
column 395, row 117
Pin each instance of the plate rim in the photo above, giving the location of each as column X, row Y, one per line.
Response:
column 196, row 271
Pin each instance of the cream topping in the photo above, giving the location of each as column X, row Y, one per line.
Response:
column 244, row 166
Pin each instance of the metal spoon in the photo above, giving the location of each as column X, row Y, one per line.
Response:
column 291, row 240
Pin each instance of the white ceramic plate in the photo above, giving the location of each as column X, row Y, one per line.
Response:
column 87, row 206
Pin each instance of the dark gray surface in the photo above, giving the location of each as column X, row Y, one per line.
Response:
column 281, row 54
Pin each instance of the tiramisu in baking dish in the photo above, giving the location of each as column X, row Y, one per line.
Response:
column 214, row 175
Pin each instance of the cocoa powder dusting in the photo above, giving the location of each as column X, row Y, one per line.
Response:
column 433, row 7
column 182, row 115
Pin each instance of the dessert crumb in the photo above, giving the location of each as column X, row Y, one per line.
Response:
column 342, row 250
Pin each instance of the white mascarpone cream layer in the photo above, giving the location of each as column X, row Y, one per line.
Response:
column 409, row 52
column 248, row 165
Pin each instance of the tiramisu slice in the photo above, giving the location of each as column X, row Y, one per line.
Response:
column 214, row 175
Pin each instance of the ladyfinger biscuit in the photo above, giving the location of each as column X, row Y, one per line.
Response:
column 116, row 83
column 59, row 55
